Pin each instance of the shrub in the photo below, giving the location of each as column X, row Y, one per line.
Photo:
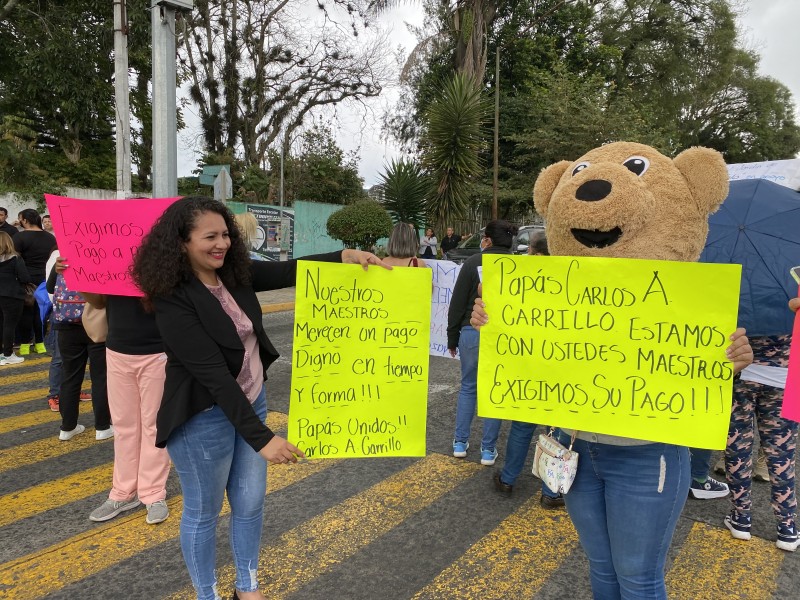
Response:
column 360, row 225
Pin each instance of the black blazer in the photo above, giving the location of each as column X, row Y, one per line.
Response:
column 205, row 354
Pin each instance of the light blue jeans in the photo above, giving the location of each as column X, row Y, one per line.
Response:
column 468, row 395
column 519, row 442
column 625, row 503
column 210, row 459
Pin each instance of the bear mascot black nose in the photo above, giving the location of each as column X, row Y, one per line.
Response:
column 593, row 190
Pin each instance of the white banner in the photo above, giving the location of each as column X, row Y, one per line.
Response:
column 783, row 172
column 445, row 273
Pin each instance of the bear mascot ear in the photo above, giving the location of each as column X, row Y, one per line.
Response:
column 546, row 184
column 705, row 171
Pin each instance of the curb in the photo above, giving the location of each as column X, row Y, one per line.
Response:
column 279, row 307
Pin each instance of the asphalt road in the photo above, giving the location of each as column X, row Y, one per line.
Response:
column 349, row 529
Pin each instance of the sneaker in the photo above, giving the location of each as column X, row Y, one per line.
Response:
column 39, row 348
column 460, row 449
column 68, row 435
column 711, row 488
column 760, row 472
column 488, row 456
column 787, row 537
column 11, row 359
column 24, row 349
column 85, row 396
column 739, row 525
column 52, row 402
column 111, row 508
column 157, row 512
column 550, row 502
column 104, row 434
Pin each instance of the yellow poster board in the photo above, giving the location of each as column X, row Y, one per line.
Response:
column 360, row 361
column 633, row 348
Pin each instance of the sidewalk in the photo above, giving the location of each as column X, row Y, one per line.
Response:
column 276, row 300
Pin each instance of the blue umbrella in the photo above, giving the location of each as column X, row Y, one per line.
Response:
column 758, row 227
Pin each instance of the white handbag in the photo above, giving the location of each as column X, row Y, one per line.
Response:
column 554, row 464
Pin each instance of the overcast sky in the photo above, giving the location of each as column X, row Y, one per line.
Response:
column 768, row 26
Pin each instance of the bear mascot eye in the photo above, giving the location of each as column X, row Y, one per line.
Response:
column 636, row 165
column 580, row 167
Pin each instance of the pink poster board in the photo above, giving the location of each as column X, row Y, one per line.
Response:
column 791, row 394
column 99, row 239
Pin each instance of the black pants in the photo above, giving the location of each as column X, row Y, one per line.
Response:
column 30, row 325
column 11, row 309
column 76, row 347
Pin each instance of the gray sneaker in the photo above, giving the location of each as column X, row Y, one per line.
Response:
column 156, row 512
column 111, row 508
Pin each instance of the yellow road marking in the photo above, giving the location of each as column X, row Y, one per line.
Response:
column 513, row 561
column 52, row 494
column 712, row 565
column 323, row 542
column 50, row 447
column 107, row 544
column 24, row 377
column 37, row 417
column 18, row 397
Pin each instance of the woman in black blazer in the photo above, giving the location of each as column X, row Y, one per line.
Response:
column 194, row 269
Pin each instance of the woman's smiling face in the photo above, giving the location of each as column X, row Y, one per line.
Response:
column 208, row 243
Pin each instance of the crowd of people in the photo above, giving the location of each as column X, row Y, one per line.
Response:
column 180, row 377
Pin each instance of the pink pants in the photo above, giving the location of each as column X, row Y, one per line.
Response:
column 135, row 386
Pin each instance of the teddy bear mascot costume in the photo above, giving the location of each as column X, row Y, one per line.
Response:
column 627, row 200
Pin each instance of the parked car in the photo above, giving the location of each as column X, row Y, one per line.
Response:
column 472, row 245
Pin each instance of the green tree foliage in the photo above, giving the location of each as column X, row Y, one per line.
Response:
column 405, row 190
column 56, row 72
column 576, row 74
column 360, row 225
column 451, row 141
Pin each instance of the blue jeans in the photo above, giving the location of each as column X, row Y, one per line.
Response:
column 701, row 461
column 625, row 503
column 519, row 441
column 51, row 343
column 468, row 394
column 210, row 459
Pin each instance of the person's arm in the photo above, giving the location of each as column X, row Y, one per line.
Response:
column 51, row 281
column 274, row 275
column 458, row 306
column 22, row 271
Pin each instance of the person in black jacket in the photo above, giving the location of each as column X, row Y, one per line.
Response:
column 497, row 239
column 194, row 269
column 450, row 241
column 5, row 226
column 13, row 275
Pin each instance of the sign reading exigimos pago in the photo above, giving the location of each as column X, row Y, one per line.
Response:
column 360, row 361
column 634, row 348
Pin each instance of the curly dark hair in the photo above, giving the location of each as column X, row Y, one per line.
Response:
column 161, row 264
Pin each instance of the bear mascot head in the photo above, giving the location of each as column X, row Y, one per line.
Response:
column 627, row 200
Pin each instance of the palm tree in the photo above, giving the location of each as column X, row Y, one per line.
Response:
column 450, row 141
column 405, row 189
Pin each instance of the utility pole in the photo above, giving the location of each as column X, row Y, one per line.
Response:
column 496, row 130
column 281, row 191
column 123, row 115
column 165, row 134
